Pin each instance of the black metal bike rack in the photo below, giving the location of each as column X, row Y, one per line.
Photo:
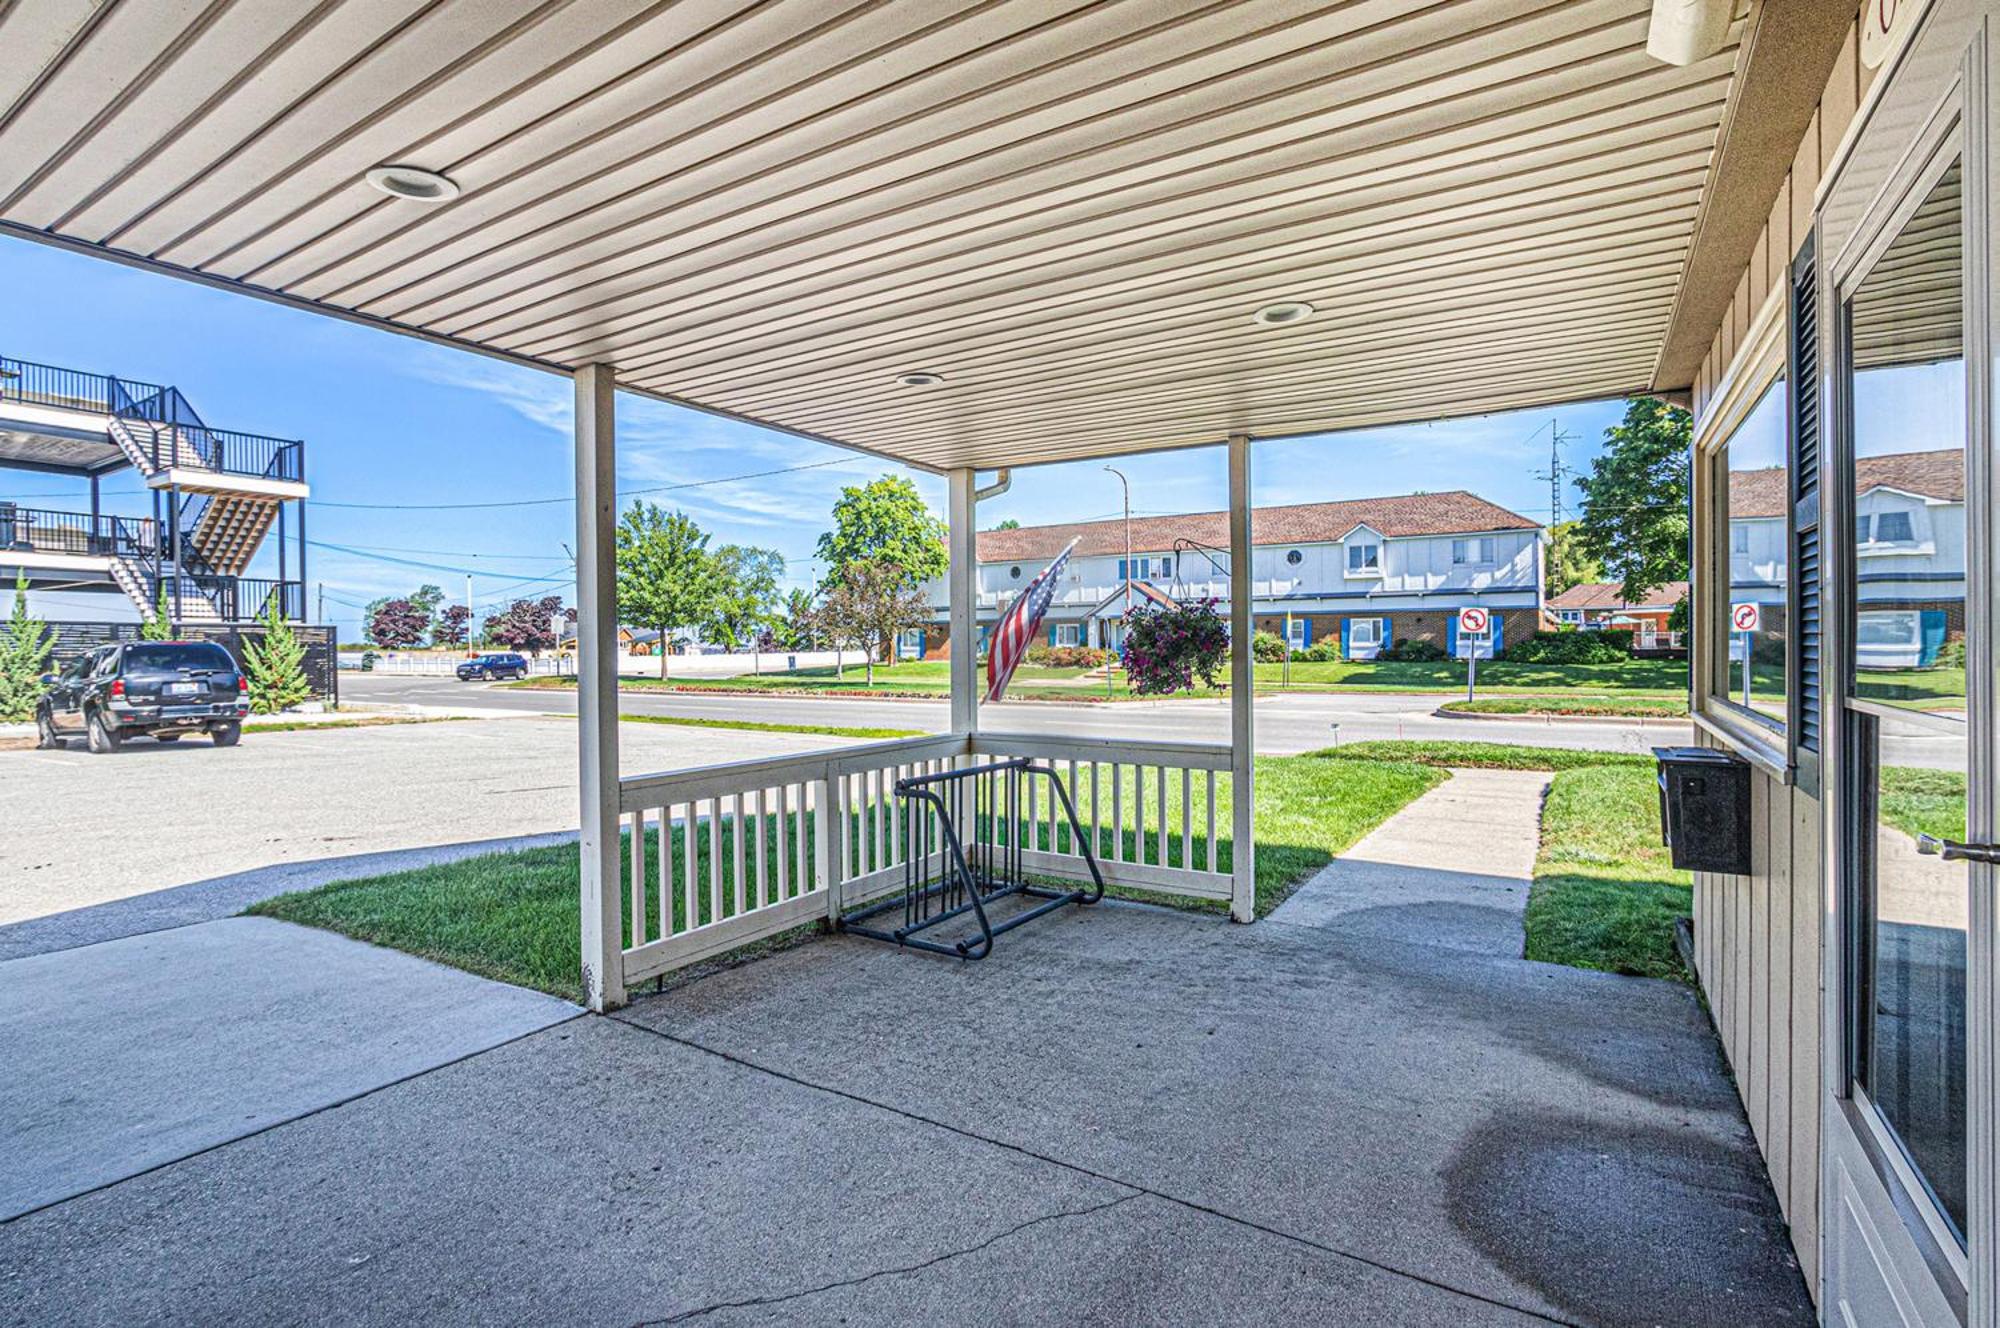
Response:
column 945, row 877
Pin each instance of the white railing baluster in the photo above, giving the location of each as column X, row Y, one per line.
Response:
column 1117, row 812
column 691, row 882
column 666, row 857
column 1187, row 819
column 763, row 868
column 715, row 859
column 1138, row 813
column 637, row 840
column 1160, row 803
column 1210, row 863
column 736, row 852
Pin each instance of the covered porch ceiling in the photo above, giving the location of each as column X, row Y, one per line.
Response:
column 1067, row 211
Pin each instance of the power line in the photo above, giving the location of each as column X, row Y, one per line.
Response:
column 630, row 493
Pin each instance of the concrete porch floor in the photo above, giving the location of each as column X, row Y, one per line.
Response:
column 1124, row 1116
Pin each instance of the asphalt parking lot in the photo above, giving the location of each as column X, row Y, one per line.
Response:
column 82, row 830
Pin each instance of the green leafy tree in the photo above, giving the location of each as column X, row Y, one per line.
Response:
column 24, row 658
column 159, row 624
column 1009, row 524
column 746, row 594
column 885, row 522
column 451, row 625
column 1569, row 563
column 667, row 578
column 871, row 602
column 1635, row 499
column 797, row 626
column 275, row 666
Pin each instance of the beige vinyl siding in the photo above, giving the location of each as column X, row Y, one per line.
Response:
column 1757, row 938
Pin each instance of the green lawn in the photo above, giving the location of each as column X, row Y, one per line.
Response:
column 916, row 678
column 1648, row 707
column 1923, row 802
column 1665, row 676
column 1606, row 894
column 1922, row 689
column 513, row 916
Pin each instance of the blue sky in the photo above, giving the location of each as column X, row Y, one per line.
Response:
column 427, row 462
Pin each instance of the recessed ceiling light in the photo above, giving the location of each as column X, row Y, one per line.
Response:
column 920, row 379
column 413, row 183
column 1285, row 311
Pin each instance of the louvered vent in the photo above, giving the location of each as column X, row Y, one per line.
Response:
column 1807, row 557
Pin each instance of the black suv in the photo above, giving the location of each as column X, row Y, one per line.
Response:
column 494, row 666
column 161, row 689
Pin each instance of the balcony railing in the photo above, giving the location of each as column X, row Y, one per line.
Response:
column 40, row 530
column 235, row 598
column 164, row 425
column 69, row 389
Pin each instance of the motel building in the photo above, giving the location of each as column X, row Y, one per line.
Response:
column 1362, row 573
column 1025, row 234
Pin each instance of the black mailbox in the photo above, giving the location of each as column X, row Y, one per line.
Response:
column 1705, row 808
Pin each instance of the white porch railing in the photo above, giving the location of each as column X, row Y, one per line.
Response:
column 722, row 856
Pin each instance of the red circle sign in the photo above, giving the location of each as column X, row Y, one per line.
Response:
column 1473, row 622
column 1743, row 617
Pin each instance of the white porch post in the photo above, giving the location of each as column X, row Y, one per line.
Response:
column 962, row 593
column 1242, row 691
column 597, row 687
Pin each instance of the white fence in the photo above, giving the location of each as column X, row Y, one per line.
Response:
column 722, row 856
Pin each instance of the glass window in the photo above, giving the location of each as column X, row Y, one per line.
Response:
column 1364, row 557
column 1906, row 699
column 1758, row 494
column 1364, row 631
column 1472, row 551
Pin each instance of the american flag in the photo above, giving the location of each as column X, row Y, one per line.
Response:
column 1018, row 624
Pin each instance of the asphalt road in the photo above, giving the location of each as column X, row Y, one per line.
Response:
column 1286, row 724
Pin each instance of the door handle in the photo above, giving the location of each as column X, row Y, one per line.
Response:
column 1951, row 850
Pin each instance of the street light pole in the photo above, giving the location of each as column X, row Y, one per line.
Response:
column 1127, row 486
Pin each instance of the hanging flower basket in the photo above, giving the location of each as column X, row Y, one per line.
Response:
column 1166, row 649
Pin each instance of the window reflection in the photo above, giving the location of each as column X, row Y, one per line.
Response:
column 1760, row 504
column 1907, row 657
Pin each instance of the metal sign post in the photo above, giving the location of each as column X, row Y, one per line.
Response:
column 1744, row 618
column 1473, row 625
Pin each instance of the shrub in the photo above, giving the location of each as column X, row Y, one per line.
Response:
column 1267, row 648
column 1610, row 646
column 1038, row 654
column 1951, row 655
column 1414, row 651
column 1320, row 652
column 1047, row 656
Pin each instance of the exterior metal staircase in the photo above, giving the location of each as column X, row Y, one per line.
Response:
column 224, row 491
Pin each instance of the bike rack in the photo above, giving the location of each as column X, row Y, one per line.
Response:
column 941, row 882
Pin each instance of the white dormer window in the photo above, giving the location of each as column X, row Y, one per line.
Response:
column 1472, row 552
column 1364, row 559
column 1893, row 528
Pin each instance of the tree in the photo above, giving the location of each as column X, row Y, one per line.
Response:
column 885, row 522
column 667, row 579
column 24, row 658
column 1635, row 499
column 398, row 624
column 159, row 624
column 1009, row 524
column 1569, row 563
column 746, row 594
column 526, row 624
column 426, row 601
column 797, row 627
column 871, row 602
column 275, row 666
column 450, row 626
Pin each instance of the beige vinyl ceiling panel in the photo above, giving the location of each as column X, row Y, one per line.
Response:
column 1068, row 210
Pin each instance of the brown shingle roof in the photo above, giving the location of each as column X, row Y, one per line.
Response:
column 1452, row 513
column 1606, row 595
column 1939, row 475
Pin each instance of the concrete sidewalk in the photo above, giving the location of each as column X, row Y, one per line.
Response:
column 1452, row 868
column 135, row 1053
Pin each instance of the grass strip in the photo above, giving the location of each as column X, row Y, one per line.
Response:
column 762, row 726
column 1621, row 707
column 1606, row 894
column 1480, row 755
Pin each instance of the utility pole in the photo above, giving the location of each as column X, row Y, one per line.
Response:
column 321, row 617
column 1558, row 470
column 468, row 611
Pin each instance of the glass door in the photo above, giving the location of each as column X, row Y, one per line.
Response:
column 1907, row 712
